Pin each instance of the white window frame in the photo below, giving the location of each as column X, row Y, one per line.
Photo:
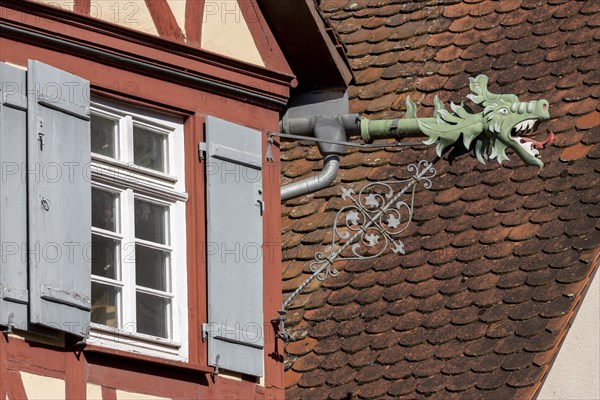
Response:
column 131, row 181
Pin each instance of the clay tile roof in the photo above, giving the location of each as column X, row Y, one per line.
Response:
column 497, row 257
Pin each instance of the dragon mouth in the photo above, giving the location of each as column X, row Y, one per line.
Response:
column 530, row 145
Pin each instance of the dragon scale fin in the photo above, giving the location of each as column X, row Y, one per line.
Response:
column 411, row 108
column 481, row 150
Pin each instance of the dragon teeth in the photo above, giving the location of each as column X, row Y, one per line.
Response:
column 525, row 126
column 528, row 146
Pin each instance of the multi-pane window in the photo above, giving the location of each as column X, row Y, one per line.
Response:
column 138, row 230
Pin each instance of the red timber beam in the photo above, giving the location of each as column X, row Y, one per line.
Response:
column 82, row 7
column 194, row 15
column 13, row 386
column 164, row 20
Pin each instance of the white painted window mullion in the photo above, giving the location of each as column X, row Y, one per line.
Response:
column 112, row 282
column 107, row 234
column 127, row 141
column 154, row 245
column 129, row 258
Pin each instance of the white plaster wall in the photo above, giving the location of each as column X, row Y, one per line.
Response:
column 93, row 392
column 575, row 374
column 225, row 31
column 132, row 14
column 62, row 4
column 39, row 387
column 122, row 395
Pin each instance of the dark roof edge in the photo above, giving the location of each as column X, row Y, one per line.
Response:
column 565, row 331
column 311, row 47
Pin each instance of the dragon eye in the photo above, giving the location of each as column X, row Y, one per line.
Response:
column 503, row 111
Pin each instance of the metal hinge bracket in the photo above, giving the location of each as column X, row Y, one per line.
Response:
column 204, row 332
column 202, row 151
column 9, row 325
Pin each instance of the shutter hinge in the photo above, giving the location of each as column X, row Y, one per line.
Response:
column 204, row 332
column 9, row 325
column 202, row 151
column 205, row 328
column 82, row 343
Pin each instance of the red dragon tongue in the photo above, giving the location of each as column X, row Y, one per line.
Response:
column 541, row 145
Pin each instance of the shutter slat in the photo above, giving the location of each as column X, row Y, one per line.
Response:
column 17, row 295
column 60, row 296
column 234, row 248
column 13, row 197
column 235, row 156
column 59, row 201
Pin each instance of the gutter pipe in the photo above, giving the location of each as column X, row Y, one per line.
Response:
column 314, row 183
column 337, row 129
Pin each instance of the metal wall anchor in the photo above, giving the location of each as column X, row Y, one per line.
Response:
column 282, row 334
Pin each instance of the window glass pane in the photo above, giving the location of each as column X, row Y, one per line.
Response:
column 105, row 257
column 105, row 210
column 104, row 135
column 149, row 149
column 151, row 268
column 151, row 222
column 105, row 304
column 152, row 315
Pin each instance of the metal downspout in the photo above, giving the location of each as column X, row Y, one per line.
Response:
column 314, row 183
column 329, row 128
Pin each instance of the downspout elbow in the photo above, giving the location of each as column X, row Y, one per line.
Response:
column 329, row 128
column 314, row 183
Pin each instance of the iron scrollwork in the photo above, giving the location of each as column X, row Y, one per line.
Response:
column 368, row 227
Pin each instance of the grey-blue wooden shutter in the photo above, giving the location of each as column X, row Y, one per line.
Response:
column 59, row 204
column 234, row 247
column 13, row 197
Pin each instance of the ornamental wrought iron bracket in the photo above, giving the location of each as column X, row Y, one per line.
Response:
column 370, row 225
column 366, row 228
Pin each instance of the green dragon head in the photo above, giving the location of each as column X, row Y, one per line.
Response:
column 502, row 124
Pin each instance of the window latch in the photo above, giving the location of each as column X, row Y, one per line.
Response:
column 45, row 204
column 259, row 197
column 40, row 124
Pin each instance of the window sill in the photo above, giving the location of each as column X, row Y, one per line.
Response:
column 149, row 346
column 135, row 357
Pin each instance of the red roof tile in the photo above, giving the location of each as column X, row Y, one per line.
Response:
column 497, row 257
